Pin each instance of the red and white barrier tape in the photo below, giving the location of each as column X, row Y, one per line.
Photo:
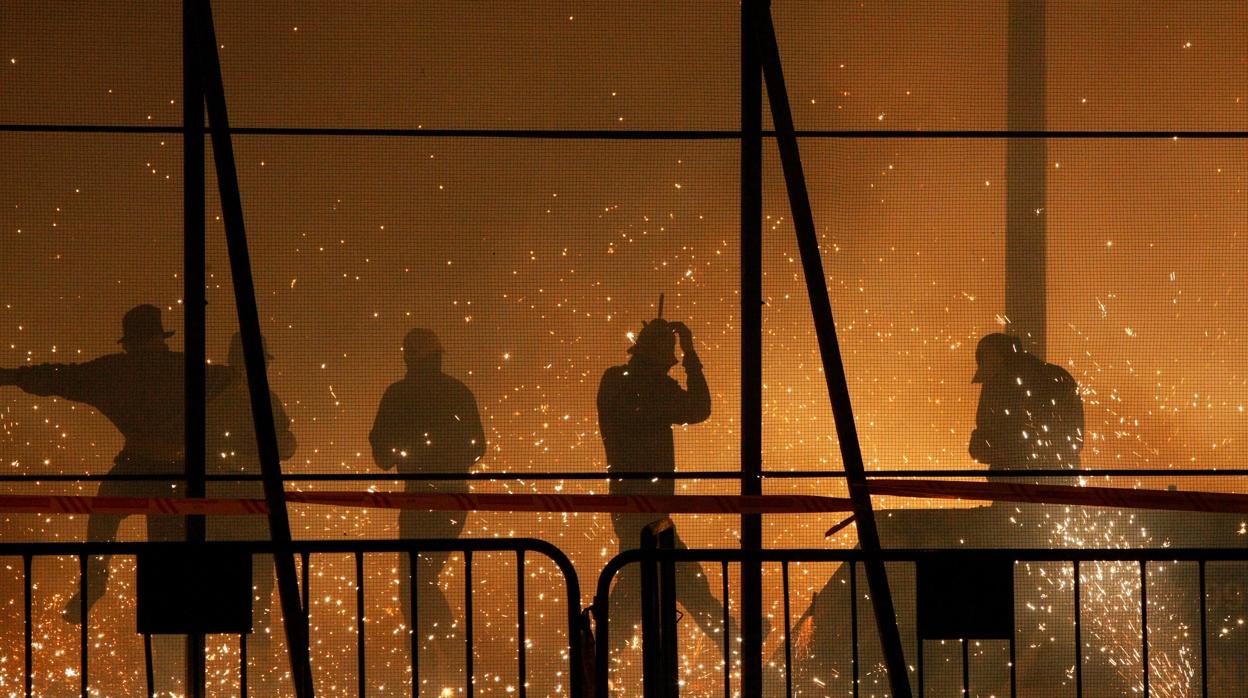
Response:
column 1214, row 502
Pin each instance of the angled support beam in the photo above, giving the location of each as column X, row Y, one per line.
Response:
column 752, row 12
column 830, row 352
column 194, row 322
column 293, row 613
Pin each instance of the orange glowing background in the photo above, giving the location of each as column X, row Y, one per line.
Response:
column 533, row 259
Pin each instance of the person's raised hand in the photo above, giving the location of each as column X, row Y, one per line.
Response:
column 685, row 335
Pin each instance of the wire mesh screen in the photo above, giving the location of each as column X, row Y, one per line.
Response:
column 534, row 186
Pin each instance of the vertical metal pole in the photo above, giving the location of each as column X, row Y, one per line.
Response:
column 751, row 342
column 294, row 613
column 194, row 321
column 830, row 354
column 1025, row 174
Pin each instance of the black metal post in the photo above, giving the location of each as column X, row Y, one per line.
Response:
column 294, row 613
column 751, row 341
column 1026, row 174
column 830, row 352
column 658, row 613
column 194, row 321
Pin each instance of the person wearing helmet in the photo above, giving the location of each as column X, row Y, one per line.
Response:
column 141, row 390
column 232, row 450
column 427, row 422
column 638, row 404
column 1030, row 413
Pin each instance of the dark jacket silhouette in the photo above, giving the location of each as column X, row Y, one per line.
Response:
column 231, row 430
column 428, row 422
column 141, row 391
column 1030, row 413
column 638, row 404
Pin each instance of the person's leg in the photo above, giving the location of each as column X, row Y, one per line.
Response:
column 693, row 591
column 100, row 528
column 440, row 644
column 624, row 603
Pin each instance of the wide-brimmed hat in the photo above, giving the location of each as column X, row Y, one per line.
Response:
column 142, row 322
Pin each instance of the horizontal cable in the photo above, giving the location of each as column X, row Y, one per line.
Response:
column 626, row 135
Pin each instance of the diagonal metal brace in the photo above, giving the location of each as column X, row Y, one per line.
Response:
column 830, row 352
column 293, row 612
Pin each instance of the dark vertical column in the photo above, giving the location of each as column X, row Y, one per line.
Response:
column 193, row 301
column 830, row 355
column 1026, row 212
column 751, row 341
column 294, row 612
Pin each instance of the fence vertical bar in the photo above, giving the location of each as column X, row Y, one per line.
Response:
column 242, row 665
column 966, row 667
column 1078, row 632
column 148, row 670
column 83, row 582
column 723, row 567
column 788, row 632
column 413, row 578
column 667, row 616
column 522, row 669
column 1013, row 666
column 1144, row 623
column 468, row 668
column 359, row 615
column 1204, row 629
column 853, row 625
column 28, row 629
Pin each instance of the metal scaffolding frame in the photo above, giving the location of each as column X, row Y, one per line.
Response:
column 1026, row 135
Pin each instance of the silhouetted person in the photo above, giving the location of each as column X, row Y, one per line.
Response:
column 638, row 403
column 232, row 450
column 139, row 390
column 1030, row 414
column 427, row 422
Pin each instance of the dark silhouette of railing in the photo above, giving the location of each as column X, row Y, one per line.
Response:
column 657, row 561
column 305, row 550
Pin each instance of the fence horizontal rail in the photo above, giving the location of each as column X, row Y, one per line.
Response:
column 304, row 550
column 658, row 563
column 626, row 135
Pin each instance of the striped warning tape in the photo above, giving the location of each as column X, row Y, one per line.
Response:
column 1214, row 502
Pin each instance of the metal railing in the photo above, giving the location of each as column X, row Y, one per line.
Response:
column 305, row 550
column 657, row 563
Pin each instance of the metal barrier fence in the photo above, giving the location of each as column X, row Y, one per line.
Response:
column 305, row 550
column 657, row 561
